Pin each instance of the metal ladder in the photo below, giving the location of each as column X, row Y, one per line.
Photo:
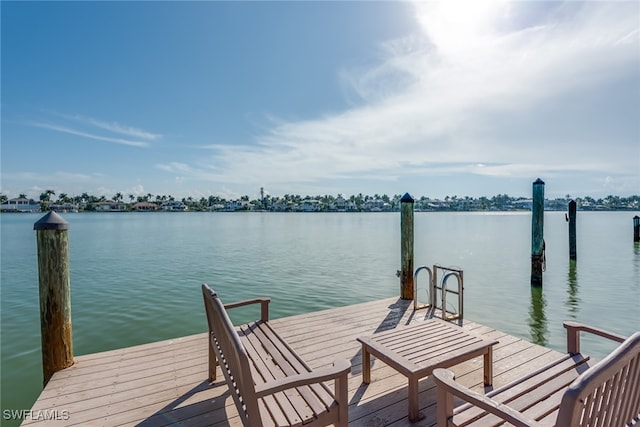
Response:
column 439, row 288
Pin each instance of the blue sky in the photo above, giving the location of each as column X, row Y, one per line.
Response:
column 221, row 98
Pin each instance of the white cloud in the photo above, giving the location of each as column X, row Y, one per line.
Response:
column 520, row 87
column 36, row 176
column 175, row 167
column 68, row 130
column 136, row 190
column 114, row 127
column 90, row 128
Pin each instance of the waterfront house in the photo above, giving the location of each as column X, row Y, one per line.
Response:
column 145, row 207
column 279, row 206
column 341, row 204
column 310, row 205
column 65, row 207
column 110, row 206
column 237, row 205
column 437, row 205
column 174, row 206
column 376, row 205
column 20, row 204
column 526, row 204
column 232, row 206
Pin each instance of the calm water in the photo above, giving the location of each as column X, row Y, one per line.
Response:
column 135, row 277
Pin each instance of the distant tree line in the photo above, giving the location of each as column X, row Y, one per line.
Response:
column 324, row 203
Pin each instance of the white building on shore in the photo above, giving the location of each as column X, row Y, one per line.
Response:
column 20, row 204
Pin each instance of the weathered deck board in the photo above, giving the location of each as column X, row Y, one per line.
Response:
column 165, row 383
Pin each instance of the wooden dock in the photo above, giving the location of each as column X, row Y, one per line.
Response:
column 165, row 383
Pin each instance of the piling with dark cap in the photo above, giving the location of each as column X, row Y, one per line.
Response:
column 636, row 228
column 572, row 229
column 55, row 296
column 537, row 233
column 406, row 247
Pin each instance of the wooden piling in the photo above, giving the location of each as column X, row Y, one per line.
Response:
column 636, row 228
column 537, row 233
column 406, row 247
column 572, row 229
column 55, row 296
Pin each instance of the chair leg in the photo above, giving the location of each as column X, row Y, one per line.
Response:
column 444, row 407
column 342, row 397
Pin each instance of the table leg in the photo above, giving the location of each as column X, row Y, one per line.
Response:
column 366, row 365
column 488, row 366
column 414, row 414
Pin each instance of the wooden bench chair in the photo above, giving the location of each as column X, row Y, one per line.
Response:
column 571, row 391
column 270, row 384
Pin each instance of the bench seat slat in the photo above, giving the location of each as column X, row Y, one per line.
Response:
column 316, row 396
column 321, row 390
column 542, row 409
column 521, row 395
column 274, row 419
column 538, row 407
column 271, row 364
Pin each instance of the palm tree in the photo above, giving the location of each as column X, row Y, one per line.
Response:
column 202, row 205
column 45, row 199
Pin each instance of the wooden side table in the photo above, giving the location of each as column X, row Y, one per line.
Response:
column 416, row 350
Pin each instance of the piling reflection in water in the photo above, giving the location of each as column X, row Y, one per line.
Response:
column 537, row 317
column 573, row 300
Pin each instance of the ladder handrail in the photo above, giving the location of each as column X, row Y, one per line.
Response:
column 458, row 276
column 442, row 286
column 429, row 291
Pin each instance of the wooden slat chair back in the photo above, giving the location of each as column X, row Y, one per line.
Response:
column 569, row 392
column 269, row 382
column 608, row 394
column 231, row 354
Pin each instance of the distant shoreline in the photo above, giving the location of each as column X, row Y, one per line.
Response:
column 296, row 203
column 17, row 212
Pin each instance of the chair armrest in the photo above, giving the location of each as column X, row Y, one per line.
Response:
column 573, row 335
column 340, row 367
column 444, row 379
column 264, row 306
